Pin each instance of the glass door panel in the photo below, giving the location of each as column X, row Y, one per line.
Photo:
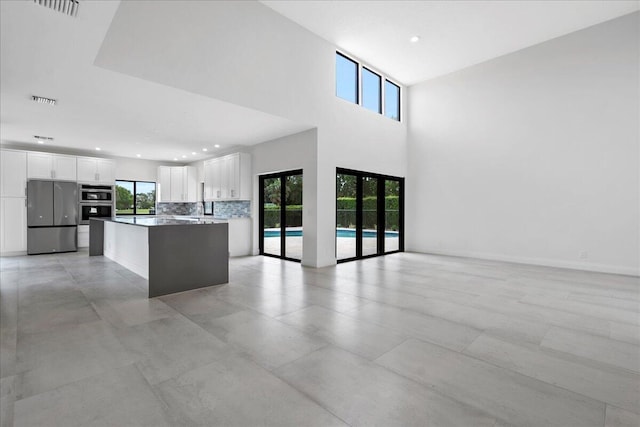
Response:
column 392, row 215
column 346, row 191
column 272, row 212
column 369, row 216
column 281, row 215
column 293, row 224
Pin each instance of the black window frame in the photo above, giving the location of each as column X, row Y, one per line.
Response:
column 382, row 88
column 380, row 80
column 135, row 196
column 381, row 214
column 357, row 64
column 283, row 213
column 399, row 100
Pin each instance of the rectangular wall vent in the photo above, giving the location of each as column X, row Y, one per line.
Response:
column 42, row 138
column 43, row 100
column 68, row 7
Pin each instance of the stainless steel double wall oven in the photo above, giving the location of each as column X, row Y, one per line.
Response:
column 95, row 201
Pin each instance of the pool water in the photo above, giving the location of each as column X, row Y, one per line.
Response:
column 339, row 233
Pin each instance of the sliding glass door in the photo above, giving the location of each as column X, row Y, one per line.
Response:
column 369, row 214
column 281, row 215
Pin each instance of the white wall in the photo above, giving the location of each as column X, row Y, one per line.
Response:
column 532, row 157
column 247, row 54
column 138, row 169
column 292, row 152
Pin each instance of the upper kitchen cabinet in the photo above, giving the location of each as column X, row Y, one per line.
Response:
column 13, row 173
column 177, row 184
column 51, row 166
column 228, row 178
column 96, row 171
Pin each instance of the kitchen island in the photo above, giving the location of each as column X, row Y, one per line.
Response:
column 174, row 255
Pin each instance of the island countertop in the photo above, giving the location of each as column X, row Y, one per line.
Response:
column 159, row 221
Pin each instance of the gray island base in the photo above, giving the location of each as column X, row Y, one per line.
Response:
column 173, row 255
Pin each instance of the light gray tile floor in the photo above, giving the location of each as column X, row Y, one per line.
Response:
column 406, row 339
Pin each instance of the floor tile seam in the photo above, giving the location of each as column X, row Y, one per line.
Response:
column 580, row 331
column 332, row 342
column 428, row 387
column 531, row 317
column 601, row 318
column 153, row 388
column 637, row 302
column 413, row 311
column 497, row 365
column 508, row 371
column 307, row 395
column 84, row 378
column 635, row 412
column 385, row 328
column 590, row 361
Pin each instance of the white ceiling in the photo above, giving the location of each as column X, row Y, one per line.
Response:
column 453, row 34
column 49, row 54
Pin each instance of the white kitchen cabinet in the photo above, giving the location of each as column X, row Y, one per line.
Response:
column 239, row 236
column 164, row 184
column 13, row 172
column 51, row 166
column 83, row 236
column 213, row 179
column 106, row 170
column 94, row 170
column 178, row 184
column 13, row 225
column 228, row 177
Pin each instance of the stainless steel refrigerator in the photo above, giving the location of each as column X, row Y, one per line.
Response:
column 52, row 217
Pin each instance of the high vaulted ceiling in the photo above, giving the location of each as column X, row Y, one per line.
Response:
column 453, row 34
column 49, row 54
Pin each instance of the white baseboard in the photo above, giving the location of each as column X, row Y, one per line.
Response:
column 573, row 265
column 18, row 253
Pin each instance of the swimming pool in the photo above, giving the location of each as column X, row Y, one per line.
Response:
column 341, row 232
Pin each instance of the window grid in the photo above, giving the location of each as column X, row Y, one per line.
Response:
column 382, row 92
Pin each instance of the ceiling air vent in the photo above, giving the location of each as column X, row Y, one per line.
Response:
column 68, row 7
column 43, row 100
column 42, row 139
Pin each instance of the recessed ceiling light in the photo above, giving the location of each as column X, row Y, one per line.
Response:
column 98, row 148
column 414, row 39
column 184, row 156
column 43, row 100
column 193, row 153
column 217, row 145
column 204, row 149
column 40, row 141
column 175, row 159
column 138, row 155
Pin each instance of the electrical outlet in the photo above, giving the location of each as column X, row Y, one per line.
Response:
column 584, row 255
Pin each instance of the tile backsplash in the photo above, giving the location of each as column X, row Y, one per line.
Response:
column 177, row 209
column 227, row 209
column 232, row 209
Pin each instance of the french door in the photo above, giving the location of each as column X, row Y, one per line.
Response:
column 281, row 215
column 369, row 214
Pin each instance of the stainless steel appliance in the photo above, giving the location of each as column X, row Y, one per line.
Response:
column 94, row 210
column 95, row 201
column 52, row 216
column 95, row 193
